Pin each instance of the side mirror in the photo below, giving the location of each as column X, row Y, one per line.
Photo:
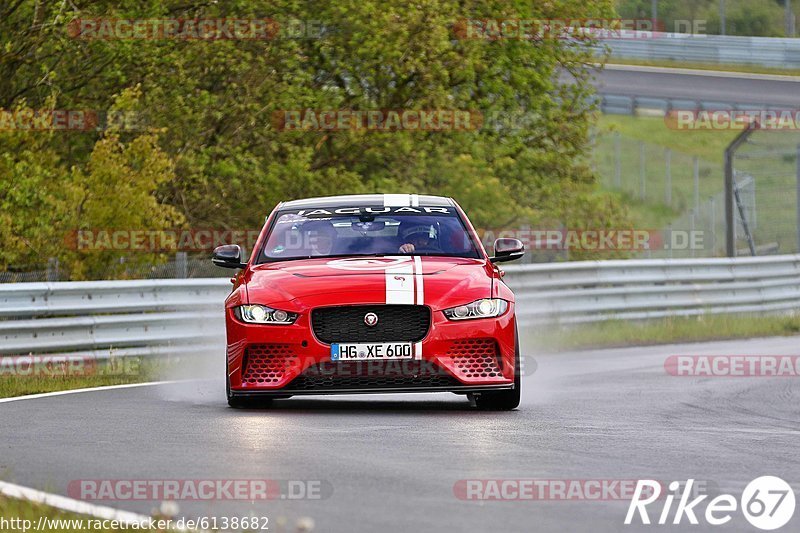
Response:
column 507, row 250
column 228, row 256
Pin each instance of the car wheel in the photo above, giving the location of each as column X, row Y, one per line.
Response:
column 503, row 400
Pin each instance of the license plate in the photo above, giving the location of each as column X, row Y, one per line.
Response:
column 368, row 352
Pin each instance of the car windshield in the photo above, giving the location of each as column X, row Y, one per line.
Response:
column 369, row 232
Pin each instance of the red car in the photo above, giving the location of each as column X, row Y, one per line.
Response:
column 376, row 293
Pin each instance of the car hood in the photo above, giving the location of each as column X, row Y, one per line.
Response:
column 439, row 282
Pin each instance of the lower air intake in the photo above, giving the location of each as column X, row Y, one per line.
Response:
column 267, row 363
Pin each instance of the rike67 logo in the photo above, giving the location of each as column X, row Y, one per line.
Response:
column 767, row 502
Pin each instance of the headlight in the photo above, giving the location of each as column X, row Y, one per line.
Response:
column 486, row 308
column 261, row 314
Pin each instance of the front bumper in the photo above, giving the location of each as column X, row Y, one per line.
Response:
column 456, row 356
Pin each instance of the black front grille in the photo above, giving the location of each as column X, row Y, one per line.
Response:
column 372, row 375
column 407, row 323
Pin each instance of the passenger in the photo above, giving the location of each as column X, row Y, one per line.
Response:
column 321, row 237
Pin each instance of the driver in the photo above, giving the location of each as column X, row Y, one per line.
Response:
column 321, row 235
column 417, row 239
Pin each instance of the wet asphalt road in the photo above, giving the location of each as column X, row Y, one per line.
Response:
column 705, row 86
column 390, row 462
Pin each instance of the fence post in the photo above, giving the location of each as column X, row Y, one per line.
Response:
column 730, row 188
column 181, row 265
column 713, row 204
column 668, row 192
column 617, row 162
column 52, row 269
column 798, row 198
column 642, row 172
column 696, row 184
column 669, row 247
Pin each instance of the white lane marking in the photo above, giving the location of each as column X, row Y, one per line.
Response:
column 415, row 200
column 396, row 200
column 88, row 389
column 72, row 506
column 400, row 284
column 699, row 72
column 420, row 285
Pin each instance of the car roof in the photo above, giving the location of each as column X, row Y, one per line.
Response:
column 369, row 200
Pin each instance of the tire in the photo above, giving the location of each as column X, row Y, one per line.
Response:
column 503, row 400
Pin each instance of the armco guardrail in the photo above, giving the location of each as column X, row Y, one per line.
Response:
column 719, row 49
column 590, row 291
column 143, row 317
column 615, row 104
column 177, row 316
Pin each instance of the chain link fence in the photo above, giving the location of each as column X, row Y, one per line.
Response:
column 181, row 266
column 685, row 194
column 771, row 158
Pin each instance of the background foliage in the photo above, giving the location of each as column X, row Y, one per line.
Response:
column 203, row 152
column 762, row 18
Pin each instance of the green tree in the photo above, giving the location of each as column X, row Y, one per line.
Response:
column 204, row 113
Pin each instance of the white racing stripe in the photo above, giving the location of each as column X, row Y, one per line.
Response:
column 396, row 200
column 405, row 286
column 419, row 281
column 400, row 283
column 404, row 282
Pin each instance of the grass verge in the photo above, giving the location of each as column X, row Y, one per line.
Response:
column 708, row 145
column 619, row 333
column 20, row 376
column 20, row 515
